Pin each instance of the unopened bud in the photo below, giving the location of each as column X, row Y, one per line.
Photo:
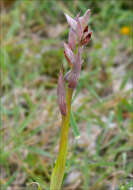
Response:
column 61, row 93
column 72, row 39
column 75, row 72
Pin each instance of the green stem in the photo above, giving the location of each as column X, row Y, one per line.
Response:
column 58, row 171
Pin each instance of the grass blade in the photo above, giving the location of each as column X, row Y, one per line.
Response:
column 74, row 126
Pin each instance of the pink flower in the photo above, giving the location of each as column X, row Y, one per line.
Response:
column 79, row 29
column 83, row 20
column 61, row 93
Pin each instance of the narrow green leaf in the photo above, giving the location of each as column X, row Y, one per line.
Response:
column 86, row 173
column 102, row 136
column 111, row 116
column 74, row 126
column 119, row 114
column 28, row 100
column 89, row 127
column 11, row 179
column 40, row 151
column 125, row 80
column 34, row 186
column 27, row 120
column 93, row 93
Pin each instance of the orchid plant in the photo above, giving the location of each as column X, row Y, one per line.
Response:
column 78, row 37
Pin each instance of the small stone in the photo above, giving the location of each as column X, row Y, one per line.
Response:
column 72, row 177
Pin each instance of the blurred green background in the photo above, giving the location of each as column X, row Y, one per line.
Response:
column 32, row 37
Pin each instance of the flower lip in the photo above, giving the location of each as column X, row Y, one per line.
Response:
column 86, row 29
column 86, row 39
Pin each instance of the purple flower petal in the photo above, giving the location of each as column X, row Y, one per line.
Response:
column 84, row 19
column 72, row 39
column 68, row 54
column 79, row 29
column 71, row 22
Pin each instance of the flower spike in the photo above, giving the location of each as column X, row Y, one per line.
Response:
column 78, row 33
column 77, row 38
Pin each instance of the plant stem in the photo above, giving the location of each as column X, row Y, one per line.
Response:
column 58, row 171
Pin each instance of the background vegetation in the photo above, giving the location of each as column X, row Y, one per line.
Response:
column 32, row 36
